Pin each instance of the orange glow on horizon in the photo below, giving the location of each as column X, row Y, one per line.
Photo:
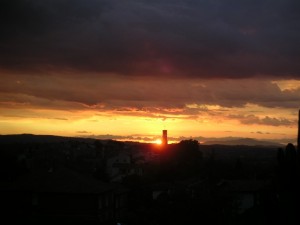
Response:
column 158, row 142
column 224, row 122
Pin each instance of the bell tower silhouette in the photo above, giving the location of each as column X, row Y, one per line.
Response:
column 164, row 137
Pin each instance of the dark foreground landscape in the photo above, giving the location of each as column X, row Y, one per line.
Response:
column 58, row 180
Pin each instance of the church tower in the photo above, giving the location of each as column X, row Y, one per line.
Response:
column 165, row 137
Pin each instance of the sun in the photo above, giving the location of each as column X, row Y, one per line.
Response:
column 158, row 141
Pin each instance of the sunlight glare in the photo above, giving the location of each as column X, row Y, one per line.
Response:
column 158, row 141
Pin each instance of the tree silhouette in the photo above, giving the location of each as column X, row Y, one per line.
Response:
column 287, row 184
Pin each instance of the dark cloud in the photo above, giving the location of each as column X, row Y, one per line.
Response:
column 57, row 118
column 228, row 38
column 269, row 121
column 260, row 132
column 83, row 132
column 160, row 98
column 125, row 137
column 31, row 17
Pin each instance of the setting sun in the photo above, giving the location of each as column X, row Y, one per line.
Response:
column 158, row 142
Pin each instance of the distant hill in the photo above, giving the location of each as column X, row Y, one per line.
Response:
column 242, row 141
column 31, row 138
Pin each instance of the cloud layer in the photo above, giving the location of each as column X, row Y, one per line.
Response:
column 116, row 93
column 98, row 66
column 203, row 39
column 159, row 98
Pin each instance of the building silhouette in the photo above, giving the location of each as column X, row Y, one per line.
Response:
column 164, row 137
column 62, row 196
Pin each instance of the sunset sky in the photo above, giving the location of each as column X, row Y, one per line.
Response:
column 128, row 69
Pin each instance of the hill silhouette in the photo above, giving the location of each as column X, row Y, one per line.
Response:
column 31, row 138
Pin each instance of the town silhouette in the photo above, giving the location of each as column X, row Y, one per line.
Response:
column 61, row 180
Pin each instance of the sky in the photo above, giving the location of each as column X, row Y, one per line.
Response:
column 128, row 69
